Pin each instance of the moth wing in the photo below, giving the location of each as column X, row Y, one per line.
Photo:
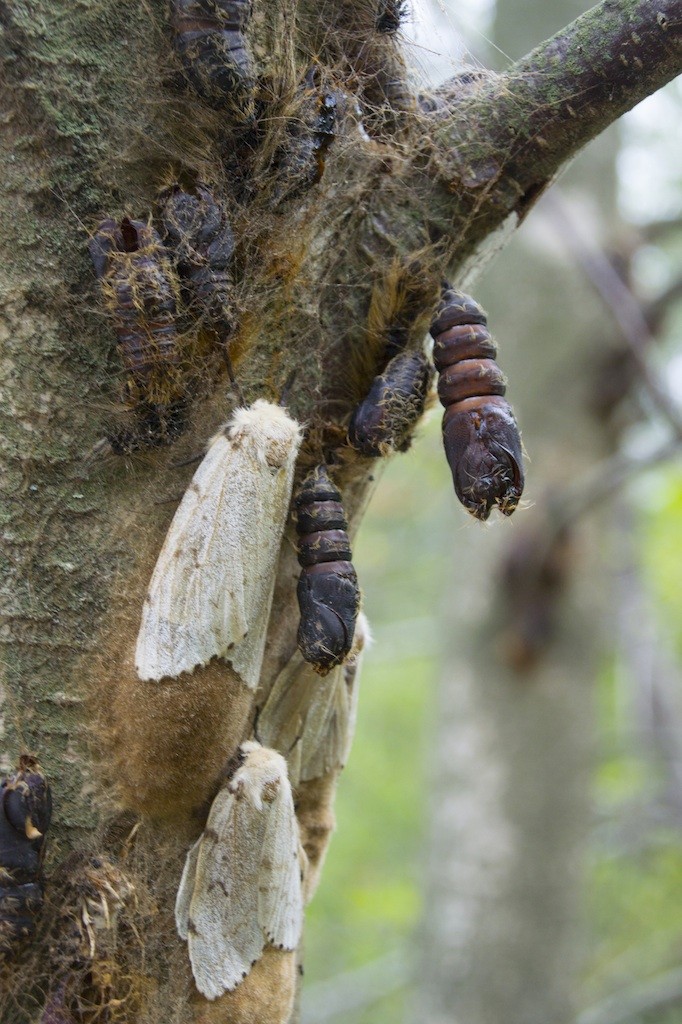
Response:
column 282, row 719
column 325, row 738
column 224, row 935
column 211, row 590
column 186, row 618
column 309, row 719
column 264, row 511
column 280, row 897
column 335, row 720
column 185, row 890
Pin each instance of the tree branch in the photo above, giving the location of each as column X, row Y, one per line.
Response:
column 551, row 103
column 625, row 307
column 656, row 994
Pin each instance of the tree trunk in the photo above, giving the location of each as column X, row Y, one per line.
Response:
column 98, row 119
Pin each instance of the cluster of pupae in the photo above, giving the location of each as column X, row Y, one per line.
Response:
column 211, row 592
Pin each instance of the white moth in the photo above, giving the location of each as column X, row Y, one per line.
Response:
column 241, row 885
column 311, row 720
column 211, row 590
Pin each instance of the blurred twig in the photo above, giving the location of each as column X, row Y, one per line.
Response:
column 656, row 309
column 627, row 310
column 355, row 990
column 535, row 570
column 626, row 1007
column 658, row 229
column 604, row 480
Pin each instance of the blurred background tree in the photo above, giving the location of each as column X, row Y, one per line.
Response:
column 509, row 824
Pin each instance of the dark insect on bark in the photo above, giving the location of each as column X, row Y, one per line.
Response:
column 196, row 228
column 312, row 129
column 25, row 812
column 137, row 284
column 480, row 434
column 328, row 592
column 135, row 275
column 384, row 421
column 390, row 15
column 210, row 42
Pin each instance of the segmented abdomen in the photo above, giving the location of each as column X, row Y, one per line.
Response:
column 383, row 422
column 480, row 434
column 197, row 229
column 136, row 282
column 328, row 591
column 210, row 41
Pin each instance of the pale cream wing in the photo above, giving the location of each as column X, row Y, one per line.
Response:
column 192, row 611
column 211, row 590
column 185, row 890
column 307, row 718
column 225, row 938
column 261, row 537
column 325, row 739
column 332, row 723
column 281, row 722
column 280, row 898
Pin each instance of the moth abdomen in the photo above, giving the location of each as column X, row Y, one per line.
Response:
column 213, row 50
column 480, row 434
column 384, row 421
column 25, row 814
column 197, row 229
column 328, row 545
column 328, row 591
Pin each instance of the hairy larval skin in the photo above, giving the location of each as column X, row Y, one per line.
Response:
column 213, row 50
column 197, row 230
column 383, row 422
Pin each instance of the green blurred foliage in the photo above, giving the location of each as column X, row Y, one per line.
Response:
column 368, row 903
column 661, row 547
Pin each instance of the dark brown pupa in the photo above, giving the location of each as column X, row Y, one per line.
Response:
column 135, row 275
column 311, row 130
column 480, row 433
column 25, row 813
column 328, row 591
column 384, row 421
column 137, row 284
column 196, row 228
column 390, row 15
column 213, row 50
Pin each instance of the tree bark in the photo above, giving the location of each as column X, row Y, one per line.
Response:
column 96, row 120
